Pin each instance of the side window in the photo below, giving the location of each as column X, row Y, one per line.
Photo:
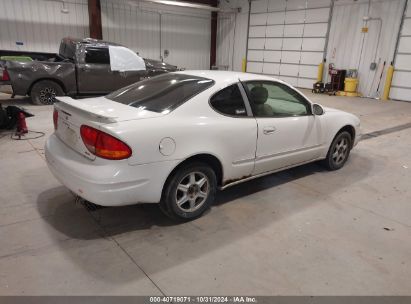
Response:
column 229, row 101
column 97, row 55
column 273, row 99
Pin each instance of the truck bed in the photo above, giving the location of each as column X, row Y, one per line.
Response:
column 24, row 74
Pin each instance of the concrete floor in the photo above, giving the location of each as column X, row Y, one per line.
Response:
column 305, row 231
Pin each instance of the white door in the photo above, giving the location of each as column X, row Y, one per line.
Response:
column 236, row 127
column 286, row 38
column 288, row 133
column 401, row 84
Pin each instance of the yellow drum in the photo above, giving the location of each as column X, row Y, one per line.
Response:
column 350, row 84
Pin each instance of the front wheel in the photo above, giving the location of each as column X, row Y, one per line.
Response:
column 339, row 151
column 189, row 192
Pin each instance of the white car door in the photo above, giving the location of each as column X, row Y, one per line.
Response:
column 236, row 131
column 288, row 133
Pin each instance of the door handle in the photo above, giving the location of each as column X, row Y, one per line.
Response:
column 268, row 130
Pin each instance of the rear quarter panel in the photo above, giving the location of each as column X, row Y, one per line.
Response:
column 195, row 129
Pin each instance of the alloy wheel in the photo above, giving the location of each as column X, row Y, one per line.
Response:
column 340, row 151
column 47, row 95
column 192, row 191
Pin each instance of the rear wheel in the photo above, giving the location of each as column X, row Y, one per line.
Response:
column 339, row 151
column 189, row 192
column 44, row 92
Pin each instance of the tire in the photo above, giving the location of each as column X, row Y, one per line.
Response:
column 189, row 192
column 44, row 92
column 339, row 151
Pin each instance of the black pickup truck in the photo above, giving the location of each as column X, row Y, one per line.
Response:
column 82, row 67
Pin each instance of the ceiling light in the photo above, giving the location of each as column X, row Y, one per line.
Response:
column 180, row 4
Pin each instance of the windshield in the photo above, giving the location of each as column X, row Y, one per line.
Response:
column 162, row 93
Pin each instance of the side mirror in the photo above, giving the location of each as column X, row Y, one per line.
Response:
column 317, row 109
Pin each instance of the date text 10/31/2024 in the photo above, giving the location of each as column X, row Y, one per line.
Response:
column 203, row 299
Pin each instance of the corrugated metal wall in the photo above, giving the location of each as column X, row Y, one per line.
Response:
column 132, row 27
column 231, row 38
column 40, row 24
column 287, row 39
column 152, row 29
column 187, row 39
column 401, row 83
column 350, row 48
column 226, row 24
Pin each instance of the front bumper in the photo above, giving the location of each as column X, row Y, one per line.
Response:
column 104, row 182
column 357, row 139
column 358, row 135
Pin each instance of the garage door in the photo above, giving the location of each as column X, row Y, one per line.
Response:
column 178, row 36
column 287, row 39
column 401, row 82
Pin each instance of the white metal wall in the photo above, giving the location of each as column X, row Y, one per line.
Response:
column 231, row 40
column 226, row 25
column 287, row 39
column 188, row 39
column 128, row 25
column 401, row 83
column 151, row 29
column 40, row 24
column 350, row 48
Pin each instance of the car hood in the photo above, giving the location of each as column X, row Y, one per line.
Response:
column 333, row 110
column 159, row 65
column 327, row 109
column 355, row 119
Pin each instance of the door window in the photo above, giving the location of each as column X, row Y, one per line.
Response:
column 273, row 99
column 229, row 101
column 97, row 55
column 123, row 59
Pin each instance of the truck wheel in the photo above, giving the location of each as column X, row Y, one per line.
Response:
column 44, row 92
column 189, row 192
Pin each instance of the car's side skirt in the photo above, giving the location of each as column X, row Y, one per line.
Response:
column 239, row 181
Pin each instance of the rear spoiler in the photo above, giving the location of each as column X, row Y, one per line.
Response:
column 79, row 105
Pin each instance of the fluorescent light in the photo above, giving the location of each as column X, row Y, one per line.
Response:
column 181, row 4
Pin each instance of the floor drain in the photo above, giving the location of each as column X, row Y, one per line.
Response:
column 385, row 131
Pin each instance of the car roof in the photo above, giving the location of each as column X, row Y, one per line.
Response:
column 228, row 76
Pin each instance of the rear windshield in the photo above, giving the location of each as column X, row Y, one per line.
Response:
column 67, row 49
column 161, row 93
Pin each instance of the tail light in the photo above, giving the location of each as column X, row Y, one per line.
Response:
column 5, row 75
column 55, row 118
column 104, row 145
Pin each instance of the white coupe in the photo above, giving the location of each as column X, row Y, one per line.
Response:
column 176, row 138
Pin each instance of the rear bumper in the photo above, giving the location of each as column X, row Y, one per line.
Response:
column 105, row 182
column 5, row 87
